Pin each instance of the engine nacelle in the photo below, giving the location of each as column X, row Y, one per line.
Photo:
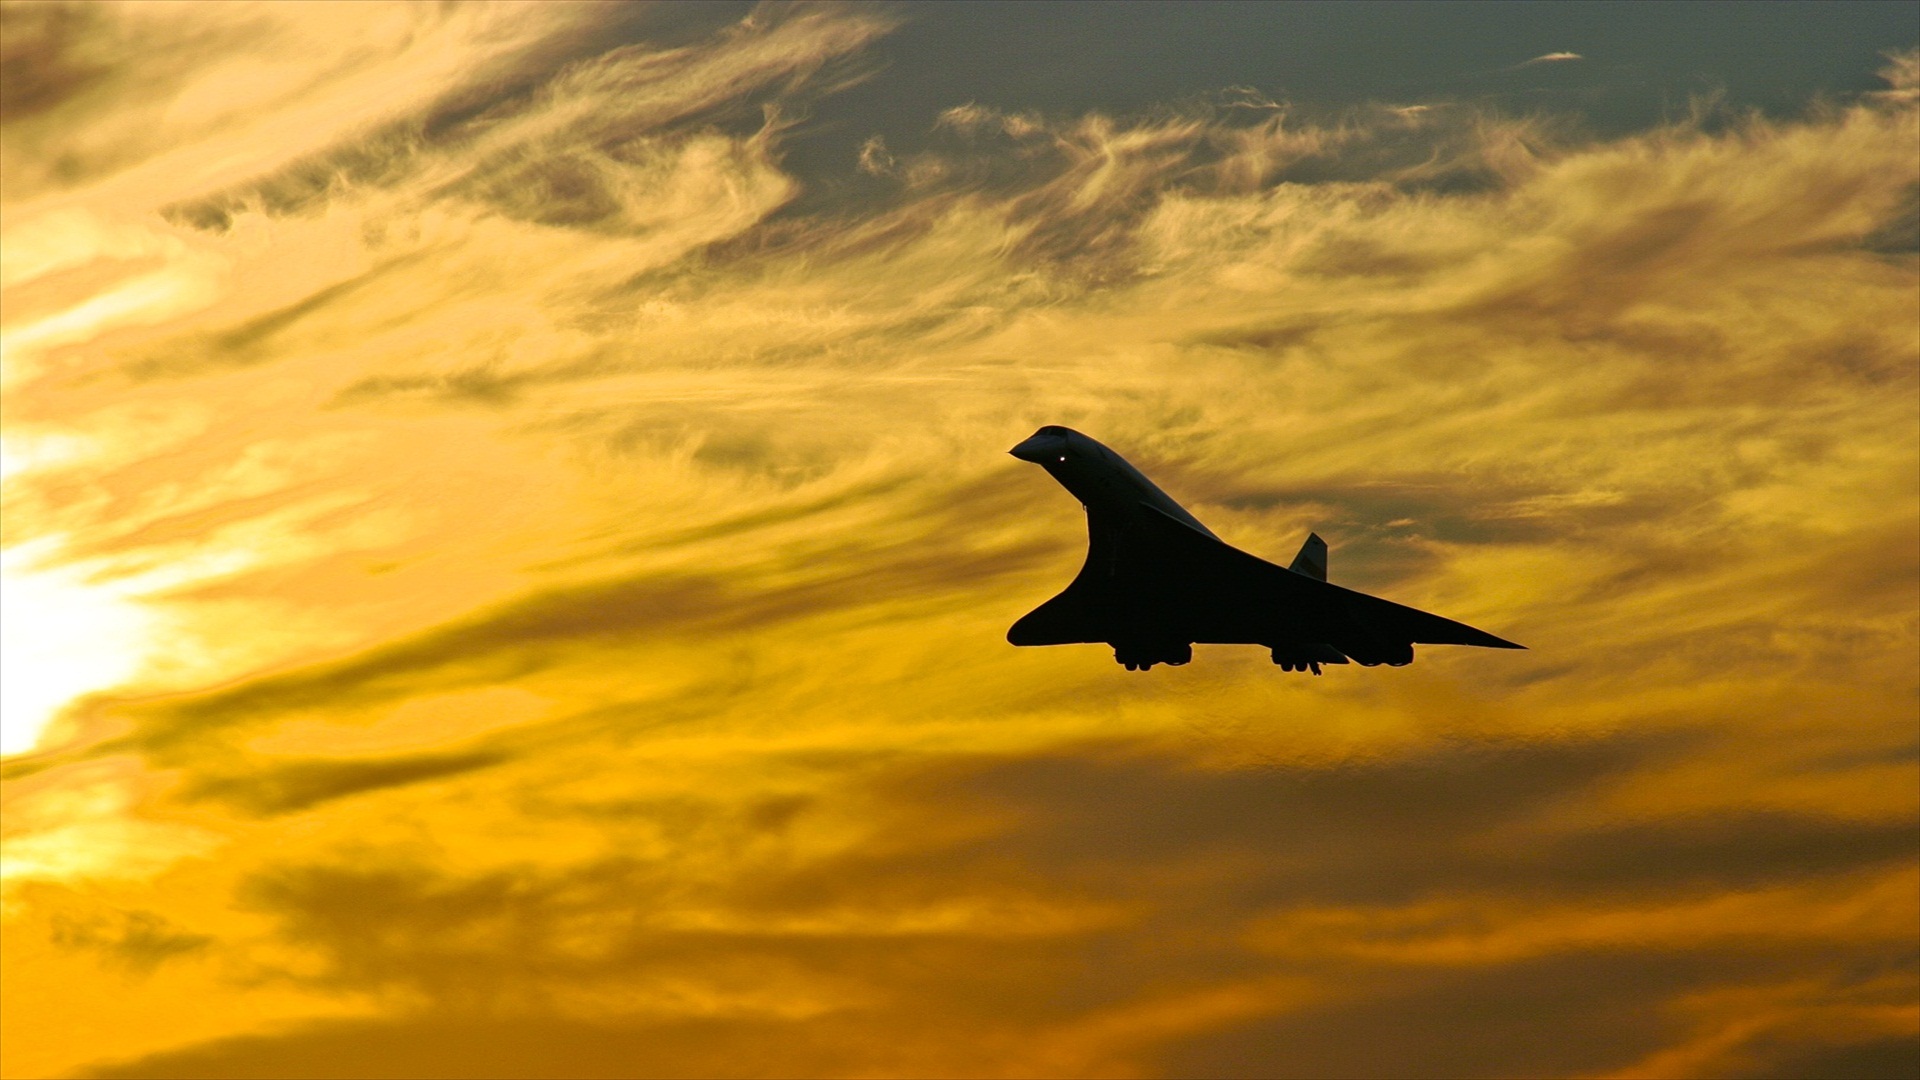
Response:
column 1372, row 652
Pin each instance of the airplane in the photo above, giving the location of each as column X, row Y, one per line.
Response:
column 1156, row 582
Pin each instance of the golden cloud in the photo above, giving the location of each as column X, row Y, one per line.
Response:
column 522, row 568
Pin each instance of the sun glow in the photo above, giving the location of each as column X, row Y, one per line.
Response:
column 72, row 277
column 61, row 636
column 64, row 630
column 70, row 627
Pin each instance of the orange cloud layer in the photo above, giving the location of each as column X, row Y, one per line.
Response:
column 534, row 587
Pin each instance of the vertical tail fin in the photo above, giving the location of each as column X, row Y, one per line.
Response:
column 1312, row 560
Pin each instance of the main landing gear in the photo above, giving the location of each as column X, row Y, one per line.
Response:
column 1138, row 657
column 1305, row 656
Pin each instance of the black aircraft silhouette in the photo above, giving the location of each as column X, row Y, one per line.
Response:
column 1157, row 581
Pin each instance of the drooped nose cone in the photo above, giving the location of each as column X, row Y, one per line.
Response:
column 1041, row 446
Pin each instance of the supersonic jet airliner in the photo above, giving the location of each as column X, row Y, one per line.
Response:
column 1156, row 582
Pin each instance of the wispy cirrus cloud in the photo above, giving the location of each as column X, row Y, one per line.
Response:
column 584, row 540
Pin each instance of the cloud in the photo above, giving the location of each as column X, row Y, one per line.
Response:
column 1106, row 879
column 555, row 627
column 46, row 62
column 579, row 540
column 522, row 1047
column 141, row 940
column 289, row 788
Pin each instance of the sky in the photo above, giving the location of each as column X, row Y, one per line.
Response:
column 509, row 539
